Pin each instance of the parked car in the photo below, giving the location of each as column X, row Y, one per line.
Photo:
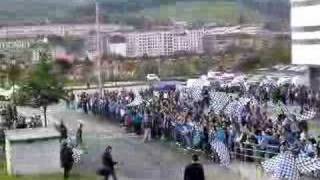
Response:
column 152, row 77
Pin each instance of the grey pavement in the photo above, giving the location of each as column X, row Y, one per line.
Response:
column 137, row 160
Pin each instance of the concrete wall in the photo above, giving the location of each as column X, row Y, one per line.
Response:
column 34, row 157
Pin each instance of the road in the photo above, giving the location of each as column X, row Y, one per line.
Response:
column 138, row 161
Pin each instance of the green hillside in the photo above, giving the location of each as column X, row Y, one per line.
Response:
column 12, row 11
column 122, row 11
column 219, row 12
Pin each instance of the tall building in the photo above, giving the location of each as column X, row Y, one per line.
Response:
column 305, row 27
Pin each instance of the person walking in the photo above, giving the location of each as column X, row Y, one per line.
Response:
column 66, row 159
column 63, row 131
column 194, row 171
column 108, row 164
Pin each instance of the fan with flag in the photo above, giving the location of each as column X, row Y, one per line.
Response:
column 222, row 151
column 286, row 166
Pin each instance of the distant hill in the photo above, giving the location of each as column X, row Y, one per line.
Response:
column 135, row 12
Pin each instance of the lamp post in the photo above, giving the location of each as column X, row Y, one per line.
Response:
column 11, row 71
column 98, row 46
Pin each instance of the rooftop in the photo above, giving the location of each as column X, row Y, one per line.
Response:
column 31, row 134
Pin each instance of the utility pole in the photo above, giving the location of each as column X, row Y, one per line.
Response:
column 241, row 10
column 98, row 47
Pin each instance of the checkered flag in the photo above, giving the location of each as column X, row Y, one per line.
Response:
column 218, row 101
column 196, row 94
column 232, row 108
column 307, row 164
column 245, row 100
column 222, row 151
column 307, row 115
column 136, row 102
column 76, row 155
column 282, row 166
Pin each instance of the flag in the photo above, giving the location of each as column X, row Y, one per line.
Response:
column 76, row 155
column 282, row 166
column 222, row 151
column 218, row 101
column 232, row 108
column 307, row 115
column 307, row 164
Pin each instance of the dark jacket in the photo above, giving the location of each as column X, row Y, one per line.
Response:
column 66, row 157
column 108, row 161
column 79, row 135
column 63, row 132
column 194, row 171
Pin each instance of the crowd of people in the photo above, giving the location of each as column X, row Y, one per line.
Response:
column 251, row 133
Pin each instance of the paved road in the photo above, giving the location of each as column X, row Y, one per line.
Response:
column 135, row 88
column 138, row 161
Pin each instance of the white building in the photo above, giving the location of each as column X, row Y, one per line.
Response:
column 55, row 29
column 118, row 49
column 16, row 44
column 305, row 24
column 305, row 27
column 166, row 43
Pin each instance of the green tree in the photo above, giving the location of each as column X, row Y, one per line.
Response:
column 44, row 87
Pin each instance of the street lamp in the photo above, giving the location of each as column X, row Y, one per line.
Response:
column 98, row 46
column 12, row 67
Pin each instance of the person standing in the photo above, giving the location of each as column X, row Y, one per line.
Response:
column 194, row 171
column 108, row 164
column 72, row 101
column 66, row 159
column 79, row 135
column 147, row 123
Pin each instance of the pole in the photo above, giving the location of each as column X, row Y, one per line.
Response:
column 240, row 6
column 98, row 47
column 159, row 67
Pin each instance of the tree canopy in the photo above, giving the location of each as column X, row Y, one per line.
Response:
column 44, row 85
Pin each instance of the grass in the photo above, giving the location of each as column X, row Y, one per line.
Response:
column 47, row 177
column 219, row 12
column 74, row 176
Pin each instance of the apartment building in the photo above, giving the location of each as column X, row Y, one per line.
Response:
column 305, row 36
column 55, row 29
column 164, row 43
column 305, row 25
column 169, row 42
